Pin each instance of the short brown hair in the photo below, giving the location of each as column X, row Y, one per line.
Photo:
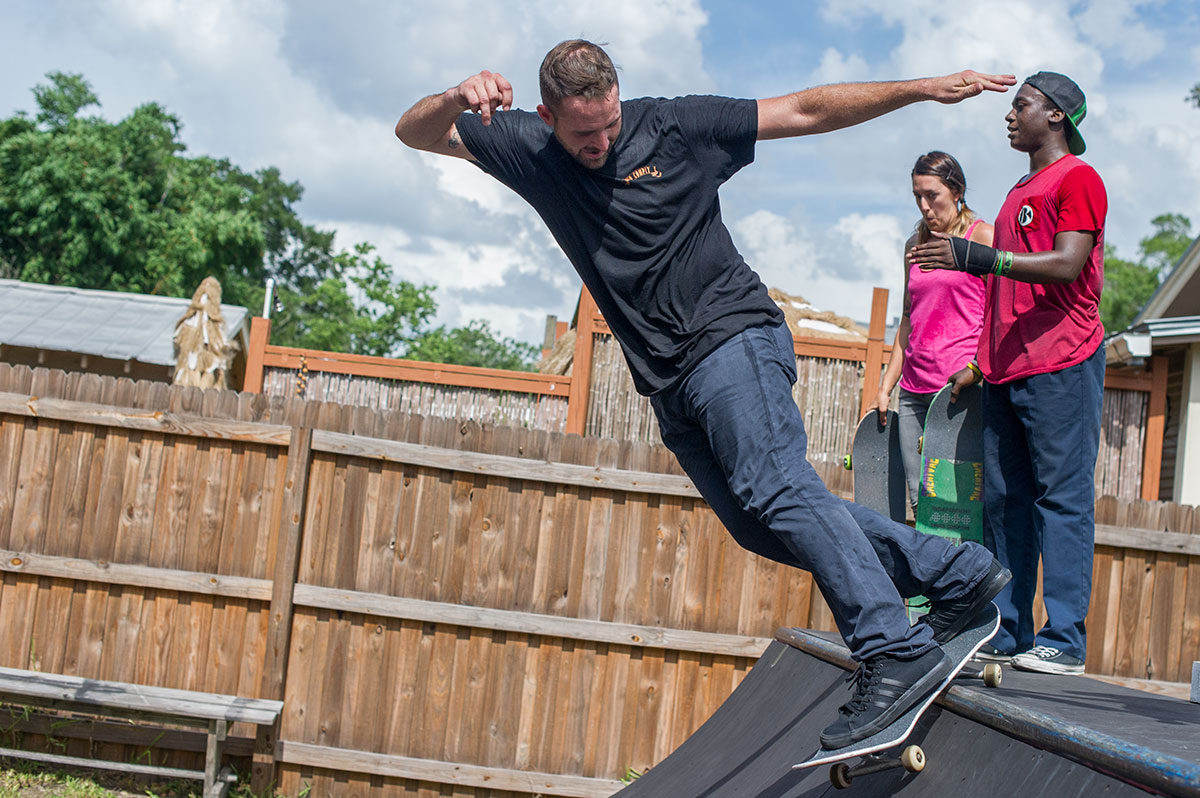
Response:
column 576, row 68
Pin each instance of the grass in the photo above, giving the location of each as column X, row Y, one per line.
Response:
column 22, row 779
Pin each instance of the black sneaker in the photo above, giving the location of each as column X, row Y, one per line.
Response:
column 951, row 616
column 884, row 689
column 1047, row 659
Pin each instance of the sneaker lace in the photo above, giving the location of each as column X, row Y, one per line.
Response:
column 1044, row 652
column 863, row 682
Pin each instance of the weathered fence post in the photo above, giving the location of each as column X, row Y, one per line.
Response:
column 581, row 365
column 874, row 363
column 260, row 336
column 283, row 583
column 1155, row 428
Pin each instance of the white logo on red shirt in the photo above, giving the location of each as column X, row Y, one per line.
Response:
column 1025, row 216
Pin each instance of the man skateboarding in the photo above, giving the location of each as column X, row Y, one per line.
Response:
column 1042, row 362
column 629, row 191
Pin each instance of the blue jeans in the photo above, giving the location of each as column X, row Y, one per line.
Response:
column 1040, row 439
column 738, row 434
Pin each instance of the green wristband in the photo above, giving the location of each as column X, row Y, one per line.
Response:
column 1003, row 264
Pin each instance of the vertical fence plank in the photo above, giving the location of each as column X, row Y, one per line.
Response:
column 283, row 580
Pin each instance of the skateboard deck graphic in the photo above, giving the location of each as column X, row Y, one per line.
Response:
column 878, row 472
column 960, row 649
column 951, row 495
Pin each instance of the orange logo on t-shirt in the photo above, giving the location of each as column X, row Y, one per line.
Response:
column 650, row 170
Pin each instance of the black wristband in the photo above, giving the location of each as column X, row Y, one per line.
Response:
column 973, row 258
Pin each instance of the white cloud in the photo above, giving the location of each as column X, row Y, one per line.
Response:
column 833, row 268
column 837, row 67
column 1114, row 24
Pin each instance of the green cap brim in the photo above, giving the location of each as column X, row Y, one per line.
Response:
column 1075, row 142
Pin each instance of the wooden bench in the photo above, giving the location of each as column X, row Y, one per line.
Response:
column 210, row 711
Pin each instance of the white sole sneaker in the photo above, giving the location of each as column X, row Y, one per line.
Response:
column 1047, row 664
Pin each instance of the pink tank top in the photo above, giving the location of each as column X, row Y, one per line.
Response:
column 945, row 319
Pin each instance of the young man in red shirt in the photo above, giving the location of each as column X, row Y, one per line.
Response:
column 1042, row 363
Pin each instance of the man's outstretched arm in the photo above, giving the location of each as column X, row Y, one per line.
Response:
column 824, row 108
column 429, row 125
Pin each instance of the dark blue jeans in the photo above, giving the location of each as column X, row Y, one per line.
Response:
column 737, row 432
column 1040, row 439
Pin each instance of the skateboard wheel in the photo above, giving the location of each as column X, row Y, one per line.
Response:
column 993, row 674
column 839, row 776
column 847, row 462
column 913, row 759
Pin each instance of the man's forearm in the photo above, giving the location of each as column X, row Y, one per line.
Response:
column 426, row 123
column 843, row 105
column 825, row 108
column 1059, row 265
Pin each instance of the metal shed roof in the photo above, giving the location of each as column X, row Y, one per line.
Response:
column 103, row 323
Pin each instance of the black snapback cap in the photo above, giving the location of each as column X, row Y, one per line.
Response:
column 1064, row 93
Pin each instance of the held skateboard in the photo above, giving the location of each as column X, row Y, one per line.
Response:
column 872, row 752
column 878, row 473
column 950, row 503
column 950, row 499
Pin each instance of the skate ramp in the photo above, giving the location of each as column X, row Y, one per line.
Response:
column 1034, row 735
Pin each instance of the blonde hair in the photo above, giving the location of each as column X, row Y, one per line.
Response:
column 945, row 167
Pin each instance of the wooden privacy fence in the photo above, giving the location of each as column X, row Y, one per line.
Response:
column 836, row 382
column 444, row 608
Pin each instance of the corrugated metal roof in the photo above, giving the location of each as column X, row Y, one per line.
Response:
column 103, row 323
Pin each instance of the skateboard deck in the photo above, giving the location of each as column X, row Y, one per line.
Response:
column 960, row 649
column 878, row 473
column 951, row 495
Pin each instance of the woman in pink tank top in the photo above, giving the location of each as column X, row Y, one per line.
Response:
column 943, row 310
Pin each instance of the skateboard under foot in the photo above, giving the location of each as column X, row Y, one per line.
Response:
column 877, row 752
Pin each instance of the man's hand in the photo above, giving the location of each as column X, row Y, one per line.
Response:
column 484, row 93
column 959, row 380
column 968, row 83
column 935, row 253
column 429, row 124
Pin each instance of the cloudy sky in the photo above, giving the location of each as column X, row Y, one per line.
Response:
column 315, row 88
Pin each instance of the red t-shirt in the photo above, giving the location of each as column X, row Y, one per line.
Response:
column 1034, row 329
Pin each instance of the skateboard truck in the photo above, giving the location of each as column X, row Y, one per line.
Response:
column 911, row 758
column 991, row 674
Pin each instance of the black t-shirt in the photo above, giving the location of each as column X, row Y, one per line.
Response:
column 644, row 231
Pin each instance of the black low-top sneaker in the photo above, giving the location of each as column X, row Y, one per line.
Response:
column 950, row 616
column 1047, row 659
column 884, row 689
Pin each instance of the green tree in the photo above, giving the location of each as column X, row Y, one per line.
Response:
column 120, row 206
column 1194, row 96
column 1128, row 285
column 474, row 345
